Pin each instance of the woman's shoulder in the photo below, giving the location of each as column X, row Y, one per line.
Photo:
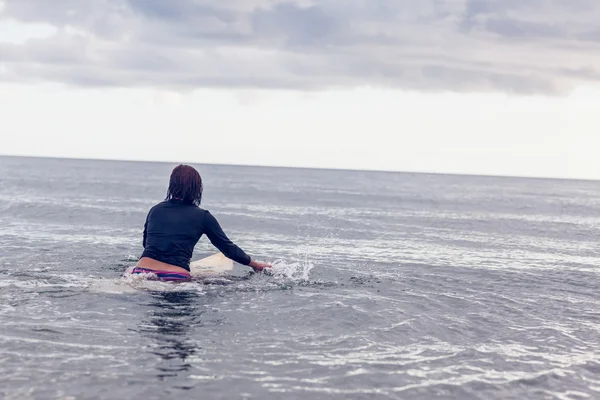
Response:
column 197, row 210
column 203, row 211
column 162, row 206
column 170, row 206
column 159, row 205
column 207, row 216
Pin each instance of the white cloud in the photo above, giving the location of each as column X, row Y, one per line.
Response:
column 362, row 128
column 18, row 33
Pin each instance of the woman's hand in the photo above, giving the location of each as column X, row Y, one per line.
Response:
column 258, row 266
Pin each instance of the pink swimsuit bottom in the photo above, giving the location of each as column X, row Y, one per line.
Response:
column 169, row 276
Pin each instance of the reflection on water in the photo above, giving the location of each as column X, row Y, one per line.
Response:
column 168, row 324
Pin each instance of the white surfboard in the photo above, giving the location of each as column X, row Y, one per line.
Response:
column 214, row 265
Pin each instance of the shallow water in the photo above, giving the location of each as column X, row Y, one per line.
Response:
column 385, row 286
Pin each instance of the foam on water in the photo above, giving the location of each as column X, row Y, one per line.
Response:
column 282, row 272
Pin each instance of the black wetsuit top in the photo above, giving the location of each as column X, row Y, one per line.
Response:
column 173, row 228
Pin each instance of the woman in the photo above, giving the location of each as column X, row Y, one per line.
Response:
column 174, row 226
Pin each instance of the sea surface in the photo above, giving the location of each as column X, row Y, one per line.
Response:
column 385, row 286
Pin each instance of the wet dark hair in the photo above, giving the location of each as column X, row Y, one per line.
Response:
column 185, row 185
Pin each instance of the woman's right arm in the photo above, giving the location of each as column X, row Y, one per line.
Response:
column 258, row 266
column 145, row 235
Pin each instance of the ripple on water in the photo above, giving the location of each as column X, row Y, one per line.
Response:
column 385, row 286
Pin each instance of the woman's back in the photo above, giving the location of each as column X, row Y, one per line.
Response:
column 173, row 228
column 171, row 231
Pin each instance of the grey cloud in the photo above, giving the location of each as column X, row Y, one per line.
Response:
column 521, row 30
column 522, row 46
column 300, row 26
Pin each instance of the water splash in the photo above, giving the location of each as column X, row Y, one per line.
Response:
column 295, row 271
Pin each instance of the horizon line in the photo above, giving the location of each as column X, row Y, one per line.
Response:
column 474, row 175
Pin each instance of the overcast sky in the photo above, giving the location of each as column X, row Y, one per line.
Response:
column 507, row 87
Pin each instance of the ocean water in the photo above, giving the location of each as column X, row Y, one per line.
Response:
column 385, row 285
